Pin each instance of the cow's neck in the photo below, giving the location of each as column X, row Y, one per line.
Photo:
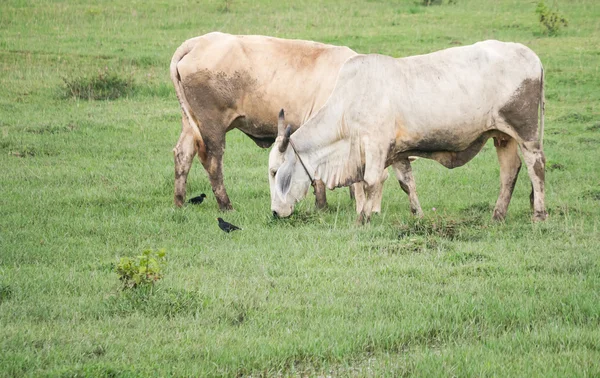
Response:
column 330, row 151
column 306, row 169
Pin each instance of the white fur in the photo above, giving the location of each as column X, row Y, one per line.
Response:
column 382, row 105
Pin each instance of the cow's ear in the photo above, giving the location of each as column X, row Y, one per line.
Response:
column 283, row 180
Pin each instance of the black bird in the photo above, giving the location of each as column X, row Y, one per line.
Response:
column 227, row 227
column 197, row 200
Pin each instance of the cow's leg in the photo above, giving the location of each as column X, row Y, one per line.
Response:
column 320, row 195
column 510, row 164
column 371, row 193
column 374, row 167
column 184, row 153
column 359, row 196
column 531, row 198
column 213, row 164
column 351, row 191
column 378, row 195
column 362, row 198
column 406, row 180
column 536, row 165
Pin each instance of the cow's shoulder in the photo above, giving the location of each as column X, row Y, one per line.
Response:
column 365, row 66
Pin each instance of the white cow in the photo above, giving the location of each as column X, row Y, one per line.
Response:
column 442, row 106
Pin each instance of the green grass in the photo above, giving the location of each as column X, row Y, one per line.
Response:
column 454, row 294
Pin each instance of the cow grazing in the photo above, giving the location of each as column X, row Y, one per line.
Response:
column 225, row 82
column 442, row 106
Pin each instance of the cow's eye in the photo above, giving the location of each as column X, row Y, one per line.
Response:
column 273, row 172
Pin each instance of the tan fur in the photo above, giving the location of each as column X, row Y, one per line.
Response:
column 224, row 81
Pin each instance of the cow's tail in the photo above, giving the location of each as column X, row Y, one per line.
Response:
column 182, row 51
column 542, row 108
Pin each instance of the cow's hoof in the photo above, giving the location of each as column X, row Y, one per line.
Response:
column 540, row 216
column 320, row 205
column 179, row 200
column 363, row 219
column 226, row 207
column 498, row 216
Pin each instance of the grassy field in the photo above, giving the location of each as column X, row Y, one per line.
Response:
column 86, row 182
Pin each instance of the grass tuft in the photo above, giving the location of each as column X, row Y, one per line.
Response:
column 585, row 140
column 26, row 151
column 427, row 3
column 555, row 167
column 575, row 117
column 560, row 131
column 30, row 151
column 593, row 194
column 97, row 351
column 568, row 210
column 438, row 226
column 236, row 312
column 462, row 258
column 478, row 209
column 402, row 246
column 95, row 370
column 146, row 61
column 51, row 129
column 104, row 85
column 6, row 293
column 155, row 302
column 298, row 218
column 226, row 6
column 162, row 90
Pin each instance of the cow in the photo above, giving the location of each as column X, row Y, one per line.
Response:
column 442, row 106
column 226, row 82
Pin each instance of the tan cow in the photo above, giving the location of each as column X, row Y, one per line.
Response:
column 442, row 106
column 224, row 82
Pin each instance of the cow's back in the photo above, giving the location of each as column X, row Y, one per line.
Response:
column 255, row 76
column 453, row 93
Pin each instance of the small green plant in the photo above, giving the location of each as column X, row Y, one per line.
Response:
column 103, row 86
column 143, row 270
column 550, row 19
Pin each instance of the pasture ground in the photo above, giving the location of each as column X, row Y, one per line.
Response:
column 454, row 294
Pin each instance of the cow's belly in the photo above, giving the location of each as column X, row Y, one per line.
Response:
column 452, row 139
column 449, row 154
column 255, row 127
column 261, row 132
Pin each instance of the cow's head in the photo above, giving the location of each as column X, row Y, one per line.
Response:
column 288, row 180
